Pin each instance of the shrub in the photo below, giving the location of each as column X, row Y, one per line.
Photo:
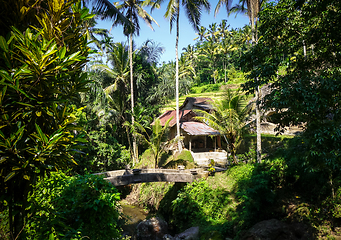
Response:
column 64, row 207
column 199, row 203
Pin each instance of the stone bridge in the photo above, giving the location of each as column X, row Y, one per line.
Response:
column 129, row 176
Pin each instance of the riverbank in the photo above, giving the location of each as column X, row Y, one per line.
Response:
column 247, row 196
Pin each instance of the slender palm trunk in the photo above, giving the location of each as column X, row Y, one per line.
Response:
column 177, row 79
column 225, row 69
column 258, row 126
column 135, row 154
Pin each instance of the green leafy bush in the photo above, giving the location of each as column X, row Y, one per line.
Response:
column 151, row 194
column 4, row 226
column 214, row 206
column 64, row 207
column 199, row 203
column 41, row 79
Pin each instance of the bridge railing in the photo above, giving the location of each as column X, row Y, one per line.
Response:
column 130, row 176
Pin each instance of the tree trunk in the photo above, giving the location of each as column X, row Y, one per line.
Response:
column 225, row 70
column 177, row 79
column 17, row 208
column 135, row 154
column 258, row 126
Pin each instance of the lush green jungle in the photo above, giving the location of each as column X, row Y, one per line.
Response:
column 74, row 102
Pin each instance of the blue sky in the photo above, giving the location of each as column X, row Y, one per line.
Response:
column 166, row 39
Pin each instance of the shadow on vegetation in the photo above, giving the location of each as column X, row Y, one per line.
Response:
column 283, row 187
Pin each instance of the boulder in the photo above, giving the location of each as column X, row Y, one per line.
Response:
column 167, row 237
column 276, row 230
column 151, row 229
column 190, row 234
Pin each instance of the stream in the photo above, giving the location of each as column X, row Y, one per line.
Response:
column 134, row 215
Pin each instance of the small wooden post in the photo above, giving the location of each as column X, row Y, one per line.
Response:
column 190, row 143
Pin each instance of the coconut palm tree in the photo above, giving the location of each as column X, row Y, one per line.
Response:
column 252, row 8
column 193, row 9
column 202, row 34
column 117, row 92
column 209, row 51
column 190, row 55
column 229, row 118
column 133, row 10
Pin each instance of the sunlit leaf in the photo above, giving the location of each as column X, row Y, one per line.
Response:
column 9, row 176
column 3, row 159
column 41, row 134
column 3, row 44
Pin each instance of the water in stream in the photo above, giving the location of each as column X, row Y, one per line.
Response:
column 134, row 215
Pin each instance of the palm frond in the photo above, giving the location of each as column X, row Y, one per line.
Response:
column 226, row 3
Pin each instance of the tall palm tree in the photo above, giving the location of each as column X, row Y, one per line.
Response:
column 151, row 51
column 209, row 51
column 107, row 11
column 117, row 92
column 193, row 9
column 226, row 46
column 252, row 7
column 190, row 55
column 133, row 10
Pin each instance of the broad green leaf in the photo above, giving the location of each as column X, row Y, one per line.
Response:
column 8, row 143
column 10, row 175
column 83, row 140
column 22, row 70
column 89, row 16
column 19, row 135
column 3, row 159
column 2, row 135
column 5, row 75
column 73, row 56
column 41, row 134
column 3, row 93
column 51, row 236
column 3, row 44
column 25, row 104
column 48, row 112
column 17, row 115
column 62, row 52
column 26, row 163
column 31, row 57
column 54, row 139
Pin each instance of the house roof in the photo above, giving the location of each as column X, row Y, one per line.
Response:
column 183, row 114
column 203, row 103
column 198, row 129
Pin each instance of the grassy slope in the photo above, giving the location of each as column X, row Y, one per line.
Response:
column 200, row 92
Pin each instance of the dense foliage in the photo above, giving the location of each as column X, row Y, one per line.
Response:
column 41, row 78
column 308, row 93
column 45, row 81
column 64, row 207
column 231, row 202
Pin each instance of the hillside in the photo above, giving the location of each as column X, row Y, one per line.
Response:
column 214, row 91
